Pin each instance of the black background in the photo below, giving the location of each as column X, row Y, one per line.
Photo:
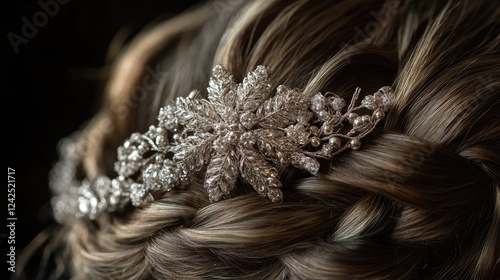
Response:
column 52, row 85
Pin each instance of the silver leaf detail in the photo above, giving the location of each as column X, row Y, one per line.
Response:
column 281, row 110
column 221, row 176
column 254, row 89
column 196, row 114
column 260, row 174
column 221, row 91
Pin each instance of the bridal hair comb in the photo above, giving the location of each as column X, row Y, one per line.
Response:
column 241, row 130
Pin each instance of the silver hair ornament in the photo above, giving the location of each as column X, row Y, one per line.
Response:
column 241, row 131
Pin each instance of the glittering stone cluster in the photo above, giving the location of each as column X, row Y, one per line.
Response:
column 241, row 131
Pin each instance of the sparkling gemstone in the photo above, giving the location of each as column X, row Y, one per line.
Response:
column 368, row 102
column 387, row 100
column 311, row 165
column 317, row 102
column 143, row 147
column 135, row 137
column 134, row 155
column 327, row 149
column 160, row 141
column 137, row 193
column 231, row 137
column 302, row 138
column 323, row 115
column 83, row 205
column 248, row 119
column 275, row 195
column 337, row 103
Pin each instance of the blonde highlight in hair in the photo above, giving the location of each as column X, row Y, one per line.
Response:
column 419, row 200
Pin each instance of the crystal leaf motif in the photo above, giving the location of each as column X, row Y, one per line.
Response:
column 240, row 131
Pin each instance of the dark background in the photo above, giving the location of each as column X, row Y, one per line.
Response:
column 52, row 85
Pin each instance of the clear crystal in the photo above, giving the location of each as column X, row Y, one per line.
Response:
column 337, row 103
column 318, row 102
column 368, row 102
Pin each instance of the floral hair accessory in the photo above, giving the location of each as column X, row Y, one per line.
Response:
column 241, row 131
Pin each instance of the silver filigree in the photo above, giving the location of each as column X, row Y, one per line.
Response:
column 240, row 131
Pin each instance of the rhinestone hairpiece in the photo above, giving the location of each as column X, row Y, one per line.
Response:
column 241, row 130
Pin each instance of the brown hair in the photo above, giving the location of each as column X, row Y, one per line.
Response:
column 419, row 200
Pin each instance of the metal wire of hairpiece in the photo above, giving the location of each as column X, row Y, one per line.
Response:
column 238, row 132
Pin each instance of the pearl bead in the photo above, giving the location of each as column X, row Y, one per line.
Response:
column 315, row 141
column 355, row 144
column 366, row 119
column 358, row 122
column 351, row 117
column 327, row 129
column 379, row 114
column 335, row 142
